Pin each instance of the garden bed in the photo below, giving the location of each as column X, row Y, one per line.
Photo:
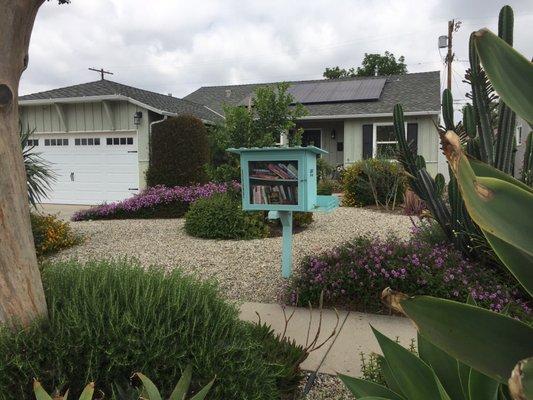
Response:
column 246, row 270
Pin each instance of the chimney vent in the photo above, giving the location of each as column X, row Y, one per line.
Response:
column 228, row 93
column 170, row 94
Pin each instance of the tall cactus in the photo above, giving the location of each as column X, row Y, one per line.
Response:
column 526, row 175
column 486, row 136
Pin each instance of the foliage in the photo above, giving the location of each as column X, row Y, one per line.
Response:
column 179, row 149
column 372, row 64
column 154, row 202
column 428, row 231
column 50, row 234
column 326, row 187
column 39, row 175
column 412, row 204
column 354, row 274
column 430, row 374
column 373, row 182
column 526, row 173
column 108, row 319
column 480, row 121
column 301, row 219
column 221, row 217
column 272, row 112
column 324, row 170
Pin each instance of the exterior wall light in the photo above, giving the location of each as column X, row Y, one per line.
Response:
column 137, row 118
column 333, row 134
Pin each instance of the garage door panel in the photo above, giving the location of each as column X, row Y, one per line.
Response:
column 100, row 173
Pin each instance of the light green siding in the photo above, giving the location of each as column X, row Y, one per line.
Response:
column 91, row 117
column 428, row 140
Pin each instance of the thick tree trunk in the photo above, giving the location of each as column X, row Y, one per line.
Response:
column 21, row 291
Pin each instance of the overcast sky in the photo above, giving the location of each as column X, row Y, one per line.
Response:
column 176, row 46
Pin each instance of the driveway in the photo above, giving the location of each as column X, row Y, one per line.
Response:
column 63, row 211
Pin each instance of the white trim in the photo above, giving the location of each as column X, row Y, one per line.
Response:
column 129, row 131
column 376, row 115
column 375, row 135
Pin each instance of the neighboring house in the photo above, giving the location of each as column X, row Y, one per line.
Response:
column 522, row 131
column 96, row 136
column 352, row 118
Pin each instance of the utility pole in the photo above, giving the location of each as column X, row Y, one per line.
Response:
column 101, row 71
column 453, row 26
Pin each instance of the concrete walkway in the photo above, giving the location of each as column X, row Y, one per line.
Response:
column 353, row 334
column 63, row 211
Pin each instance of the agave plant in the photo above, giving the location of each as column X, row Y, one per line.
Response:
column 148, row 391
column 39, row 175
column 490, row 350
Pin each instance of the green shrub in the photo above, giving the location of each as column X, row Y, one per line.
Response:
column 50, row 234
column 325, row 187
column 221, row 217
column 110, row 319
column 363, row 177
column 179, row 149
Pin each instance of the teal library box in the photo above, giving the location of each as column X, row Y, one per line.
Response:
column 281, row 179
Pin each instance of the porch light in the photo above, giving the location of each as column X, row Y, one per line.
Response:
column 137, row 118
column 333, row 133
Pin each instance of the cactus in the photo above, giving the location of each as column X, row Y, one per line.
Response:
column 527, row 167
column 477, row 134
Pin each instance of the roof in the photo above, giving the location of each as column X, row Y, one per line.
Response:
column 311, row 149
column 417, row 92
column 164, row 104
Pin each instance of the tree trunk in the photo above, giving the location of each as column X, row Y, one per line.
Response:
column 21, row 290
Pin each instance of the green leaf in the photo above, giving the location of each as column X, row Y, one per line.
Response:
column 444, row 366
column 360, row 387
column 40, row 393
column 202, row 393
column 464, row 375
column 417, row 380
column 389, row 376
column 481, row 387
column 487, row 341
column 482, row 169
column 374, row 398
column 180, row 391
column 148, row 387
column 88, row 392
column 510, row 73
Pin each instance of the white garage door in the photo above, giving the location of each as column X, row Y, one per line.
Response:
column 91, row 168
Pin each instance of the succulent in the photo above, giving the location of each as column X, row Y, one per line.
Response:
column 148, row 392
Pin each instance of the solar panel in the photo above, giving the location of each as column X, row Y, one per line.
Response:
column 334, row 91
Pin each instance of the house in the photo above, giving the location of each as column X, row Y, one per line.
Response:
column 522, row 131
column 352, row 118
column 96, row 136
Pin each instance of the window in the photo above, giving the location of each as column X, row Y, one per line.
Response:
column 65, row 142
column 87, row 142
column 32, row 142
column 54, row 142
column 47, row 142
column 385, row 142
column 122, row 141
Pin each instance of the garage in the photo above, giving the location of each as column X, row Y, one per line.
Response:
column 90, row 168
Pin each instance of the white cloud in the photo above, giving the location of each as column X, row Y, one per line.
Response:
column 177, row 46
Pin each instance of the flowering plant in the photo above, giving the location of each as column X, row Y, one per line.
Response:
column 354, row 274
column 155, row 202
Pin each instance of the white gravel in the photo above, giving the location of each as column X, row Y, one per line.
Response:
column 246, row 270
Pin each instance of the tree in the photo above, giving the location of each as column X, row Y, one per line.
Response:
column 21, row 291
column 371, row 65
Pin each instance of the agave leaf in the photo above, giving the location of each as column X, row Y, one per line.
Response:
column 40, row 393
column 203, row 393
column 487, row 171
column 389, row 376
column 360, row 387
column 88, row 392
column 414, row 376
column 488, row 200
column 510, row 73
column 374, row 398
column 487, row 341
column 464, row 375
column 180, row 391
column 521, row 381
column 148, row 387
column 481, row 387
column 444, row 366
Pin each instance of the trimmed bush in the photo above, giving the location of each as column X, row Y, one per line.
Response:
column 154, row 202
column 110, row 319
column 50, row 234
column 353, row 276
column 221, row 217
column 179, row 149
column 365, row 180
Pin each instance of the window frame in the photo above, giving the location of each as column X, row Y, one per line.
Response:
column 375, row 136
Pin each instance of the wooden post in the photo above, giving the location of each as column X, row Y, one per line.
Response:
column 21, row 291
column 286, row 254
column 449, row 56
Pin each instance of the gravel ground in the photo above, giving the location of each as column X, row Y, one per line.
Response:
column 326, row 387
column 246, row 270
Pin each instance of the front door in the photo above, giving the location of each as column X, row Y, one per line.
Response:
column 312, row 137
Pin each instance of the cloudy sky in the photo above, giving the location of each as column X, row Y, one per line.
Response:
column 176, row 46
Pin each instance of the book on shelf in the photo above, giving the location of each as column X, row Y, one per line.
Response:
column 275, row 171
column 280, row 194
